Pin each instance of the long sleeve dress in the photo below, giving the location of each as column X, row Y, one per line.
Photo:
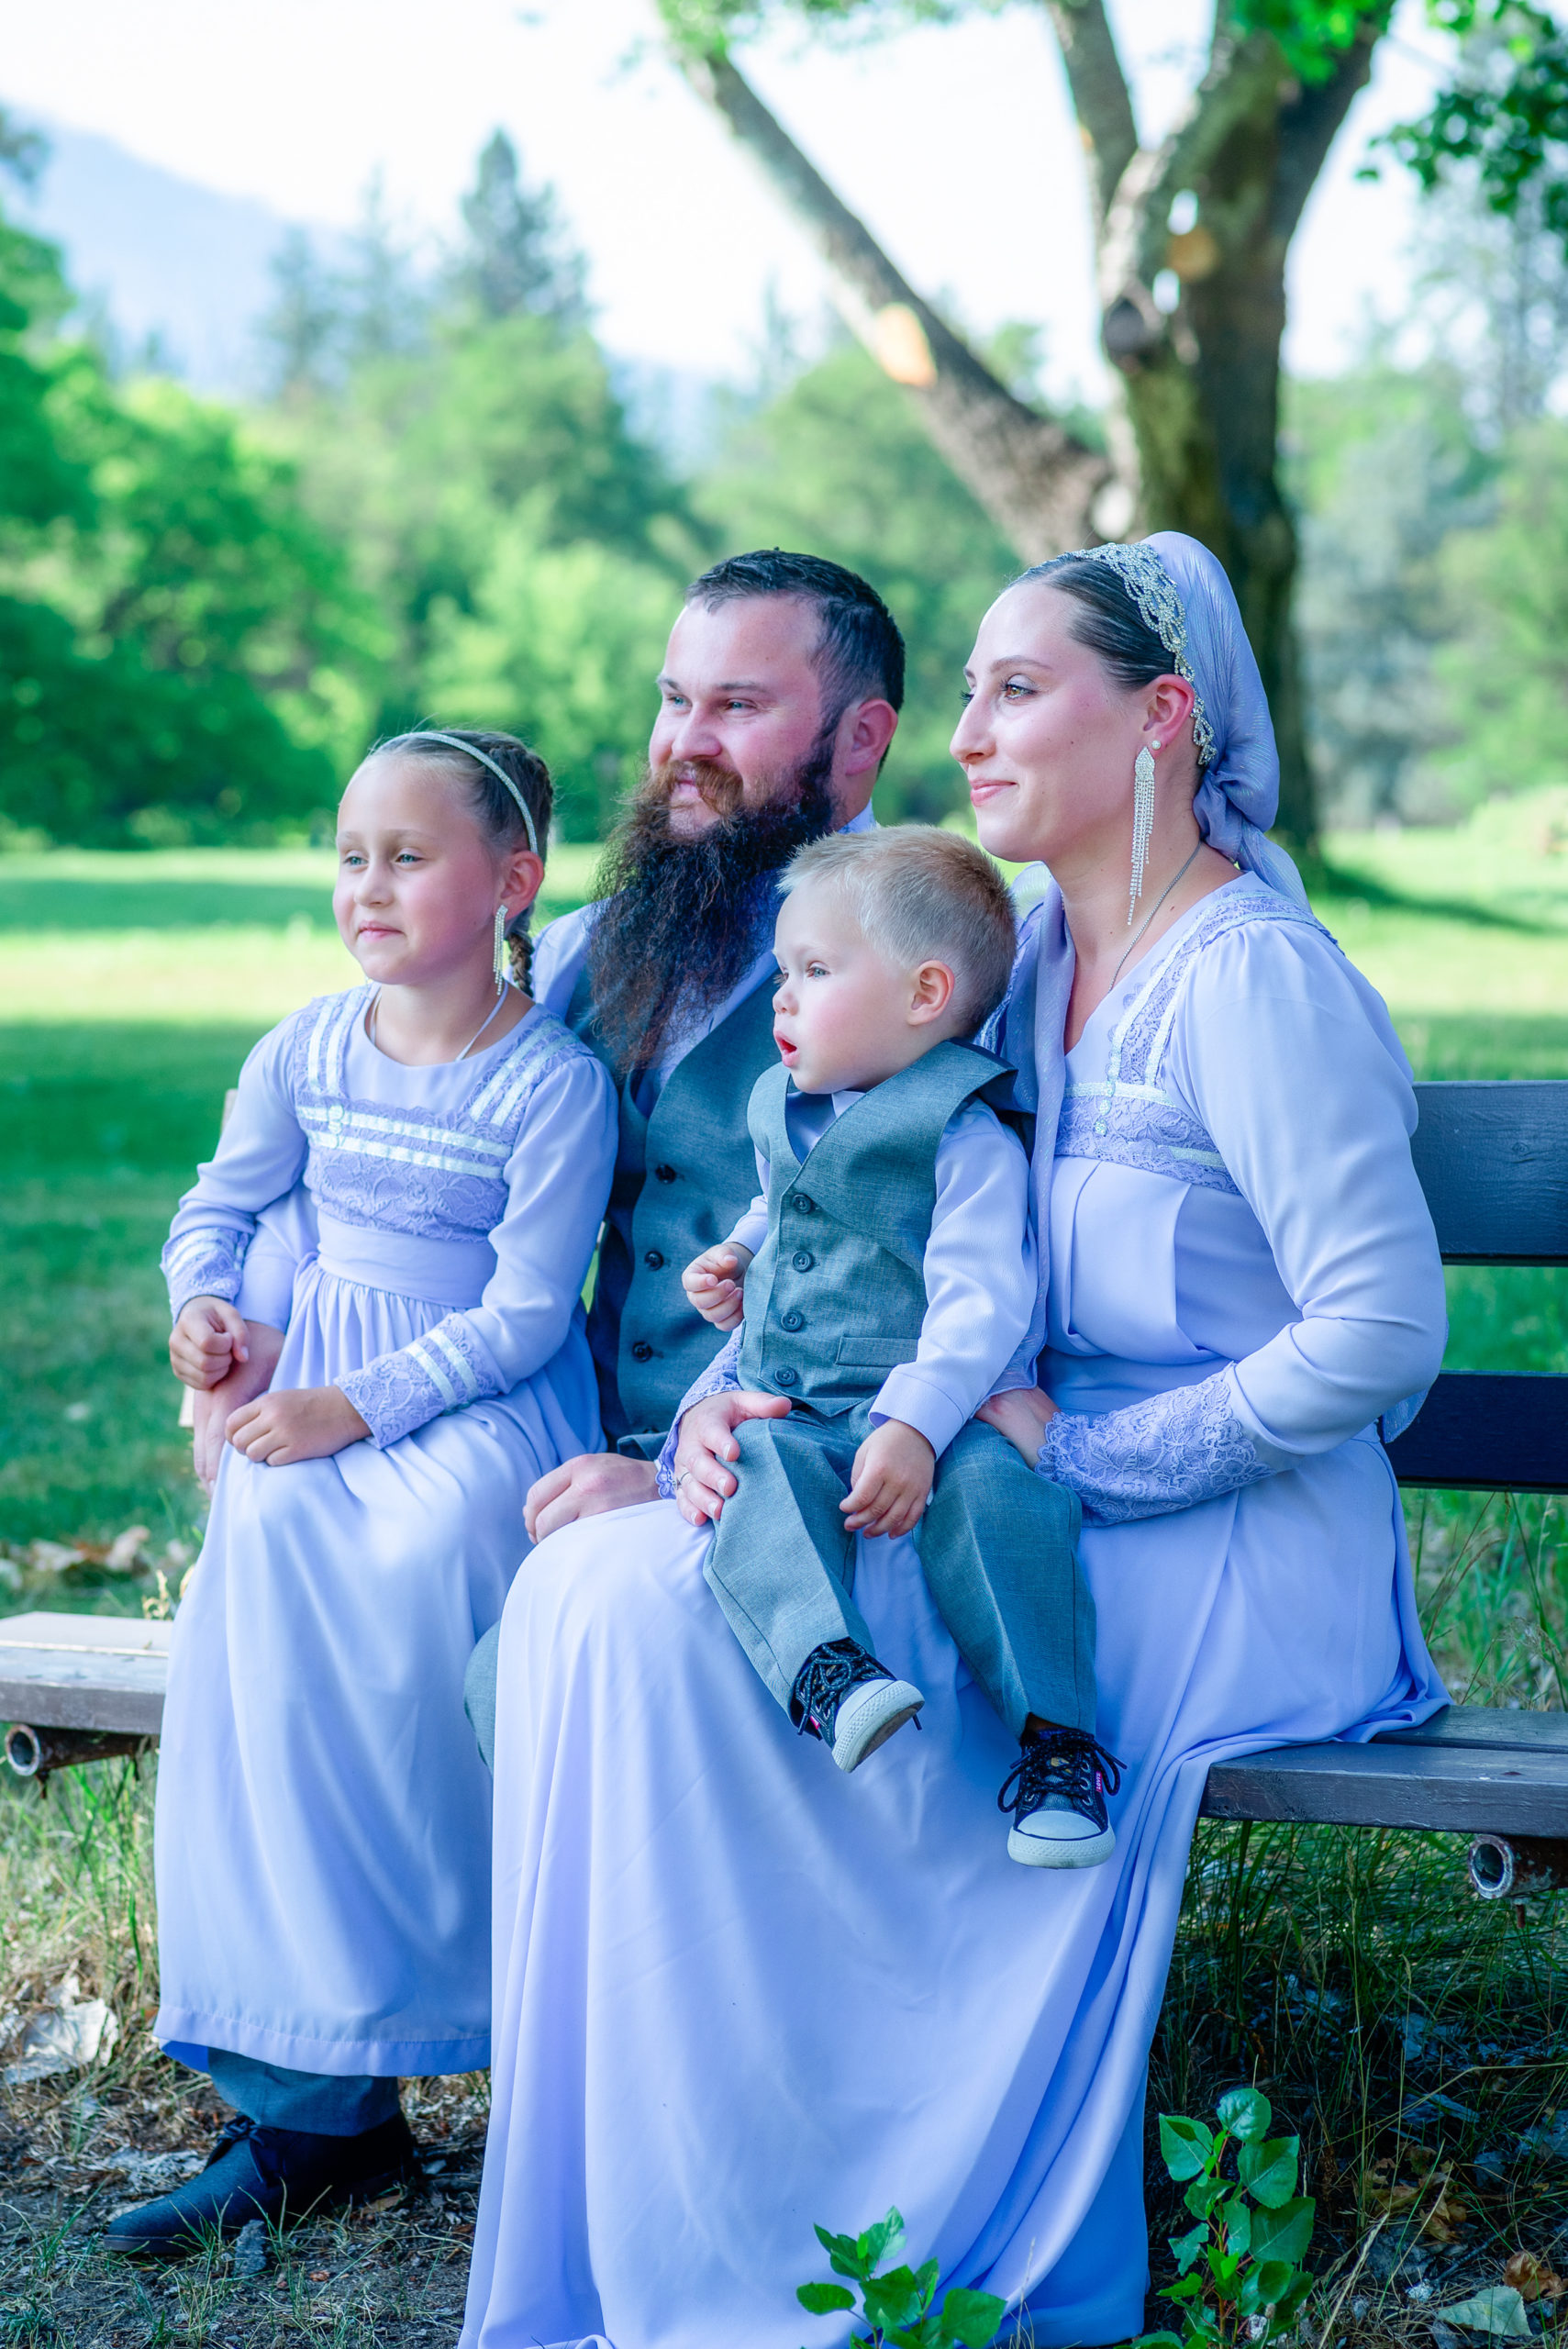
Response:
column 737, row 1992
column 323, row 1817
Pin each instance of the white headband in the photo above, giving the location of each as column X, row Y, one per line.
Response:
column 455, row 742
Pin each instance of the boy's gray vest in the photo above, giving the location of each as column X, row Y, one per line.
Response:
column 837, row 1294
column 685, row 1176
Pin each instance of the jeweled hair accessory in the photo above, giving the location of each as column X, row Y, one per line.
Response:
column 1153, row 590
column 456, row 742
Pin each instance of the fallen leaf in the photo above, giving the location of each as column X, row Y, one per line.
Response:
column 1500, row 2309
column 72, row 2031
column 1535, row 2278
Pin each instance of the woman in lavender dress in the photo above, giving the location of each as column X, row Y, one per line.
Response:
column 323, row 1828
column 738, row 1992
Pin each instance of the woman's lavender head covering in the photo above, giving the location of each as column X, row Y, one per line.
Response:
column 1184, row 596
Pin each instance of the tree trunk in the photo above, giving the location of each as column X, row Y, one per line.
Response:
column 1194, row 441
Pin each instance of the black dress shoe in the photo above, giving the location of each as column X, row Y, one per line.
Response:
column 280, row 2174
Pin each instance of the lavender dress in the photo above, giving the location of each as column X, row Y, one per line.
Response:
column 738, row 1992
column 323, row 1826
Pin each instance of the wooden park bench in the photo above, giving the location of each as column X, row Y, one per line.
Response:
column 1492, row 1159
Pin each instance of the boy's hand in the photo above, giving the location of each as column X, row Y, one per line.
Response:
column 208, row 1338
column 715, row 1283
column 891, row 1481
column 300, row 1423
column 214, row 1406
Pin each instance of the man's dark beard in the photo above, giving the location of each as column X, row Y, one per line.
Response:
column 682, row 921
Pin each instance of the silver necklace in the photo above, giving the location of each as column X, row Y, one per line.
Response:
column 1154, row 910
column 375, row 1006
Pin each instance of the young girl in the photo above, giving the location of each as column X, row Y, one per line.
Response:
column 323, row 1826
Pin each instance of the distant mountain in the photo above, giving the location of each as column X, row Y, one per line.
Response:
column 170, row 264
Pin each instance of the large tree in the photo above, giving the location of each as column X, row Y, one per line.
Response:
column 1191, row 234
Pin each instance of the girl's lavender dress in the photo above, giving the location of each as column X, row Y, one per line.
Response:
column 323, row 1828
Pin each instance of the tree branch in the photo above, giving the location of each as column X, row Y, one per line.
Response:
column 1101, row 99
column 1035, row 479
column 1311, row 121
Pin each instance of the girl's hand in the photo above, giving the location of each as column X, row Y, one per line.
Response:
column 891, row 1481
column 702, row 1484
column 208, row 1338
column 300, row 1423
column 1022, row 1415
column 245, row 1382
column 715, row 1283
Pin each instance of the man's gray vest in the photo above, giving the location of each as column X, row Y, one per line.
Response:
column 836, row 1294
column 685, row 1176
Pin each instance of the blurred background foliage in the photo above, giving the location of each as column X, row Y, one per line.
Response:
column 447, row 501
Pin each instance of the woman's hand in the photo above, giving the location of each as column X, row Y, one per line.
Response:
column 301, row 1423
column 587, row 1486
column 702, row 1484
column 214, row 1406
column 715, row 1283
column 891, row 1481
column 1022, row 1415
column 208, row 1338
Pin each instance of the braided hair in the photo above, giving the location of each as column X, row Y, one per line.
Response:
column 500, row 819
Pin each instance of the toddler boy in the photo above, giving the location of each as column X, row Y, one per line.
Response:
column 883, row 1283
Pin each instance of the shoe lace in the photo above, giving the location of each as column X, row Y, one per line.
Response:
column 825, row 1679
column 1063, row 1762
column 234, row 2131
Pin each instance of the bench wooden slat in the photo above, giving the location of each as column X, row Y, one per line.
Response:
column 1485, row 1725
column 1492, row 1159
column 1462, row 1789
column 97, row 1672
column 1489, row 1431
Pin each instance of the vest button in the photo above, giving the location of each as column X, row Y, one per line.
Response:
column 792, row 1320
column 663, row 1173
column 786, row 1377
column 801, row 1204
column 804, row 1260
column 653, row 1259
column 641, row 1350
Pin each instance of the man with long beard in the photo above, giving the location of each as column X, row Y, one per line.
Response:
column 780, row 694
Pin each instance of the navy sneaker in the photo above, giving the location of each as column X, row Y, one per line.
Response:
column 848, row 1700
column 1056, row 1791
column 280, row 2176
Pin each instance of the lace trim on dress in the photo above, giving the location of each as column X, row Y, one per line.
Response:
column 450, row 1182
column 1130, row 1118
column 1152, row 1458
column 445, row 1370
column 207, row 1262
column 722, row 1372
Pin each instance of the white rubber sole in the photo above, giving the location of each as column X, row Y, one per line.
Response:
column 1046, row 1852
column 882, row 1711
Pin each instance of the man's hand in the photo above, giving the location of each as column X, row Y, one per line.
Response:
column 208, row 1338
column 702, row 1484
column 587, row 1486
column 715, row 1283
column 301, row 1423
column 1022, row 1415
column 891, row 1481
column 215, row 1404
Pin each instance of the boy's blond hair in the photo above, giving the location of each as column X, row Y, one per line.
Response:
column 921, row 894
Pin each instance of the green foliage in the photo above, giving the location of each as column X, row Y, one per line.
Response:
column 1238, row 2263
column 840, row 466
column 898, row 2304
column 1313, row 35
column 179, row 646
column 1506, row 112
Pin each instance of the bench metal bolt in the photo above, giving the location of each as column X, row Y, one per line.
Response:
column 1516, row 1868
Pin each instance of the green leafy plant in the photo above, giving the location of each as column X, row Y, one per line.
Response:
column 897, row 2305
column 1236, row 2271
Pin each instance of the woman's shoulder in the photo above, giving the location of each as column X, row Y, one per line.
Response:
column 1274, row 971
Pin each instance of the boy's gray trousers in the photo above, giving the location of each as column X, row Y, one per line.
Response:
column 998, row 1545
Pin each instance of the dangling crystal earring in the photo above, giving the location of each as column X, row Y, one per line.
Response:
column 502, row 973
column 1142, row 823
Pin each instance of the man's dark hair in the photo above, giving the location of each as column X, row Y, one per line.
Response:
column 859, row 652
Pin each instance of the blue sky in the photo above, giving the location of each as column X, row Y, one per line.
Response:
column 954, row 143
